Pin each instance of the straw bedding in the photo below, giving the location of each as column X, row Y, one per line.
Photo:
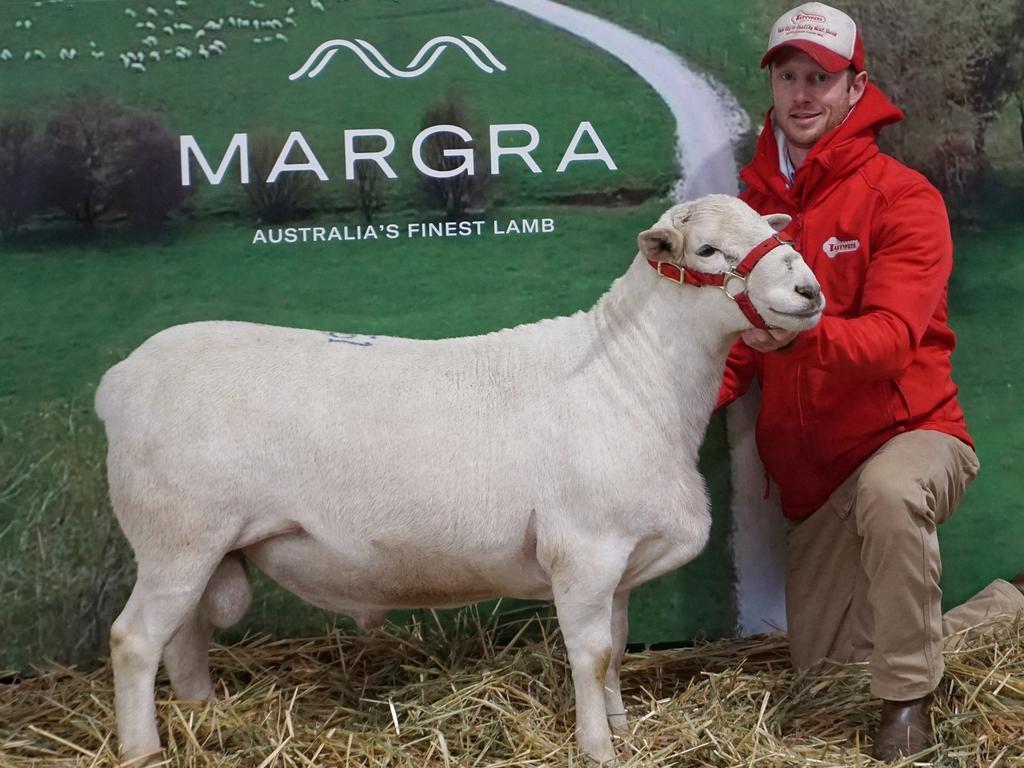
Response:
column 471, row 691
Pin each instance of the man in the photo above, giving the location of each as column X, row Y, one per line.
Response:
column 859, row 426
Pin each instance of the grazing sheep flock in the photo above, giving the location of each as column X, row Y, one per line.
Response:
column 556, row 460
column 169, row 25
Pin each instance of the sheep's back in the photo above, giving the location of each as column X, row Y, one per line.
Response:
column 234, row 387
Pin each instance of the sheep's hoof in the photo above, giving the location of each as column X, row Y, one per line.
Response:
column 602, row 757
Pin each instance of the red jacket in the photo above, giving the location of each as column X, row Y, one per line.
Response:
column 876, row 235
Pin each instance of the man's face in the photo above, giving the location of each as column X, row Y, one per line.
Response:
column 809, row 101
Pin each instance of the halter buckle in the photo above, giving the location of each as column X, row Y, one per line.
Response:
column 729, row 276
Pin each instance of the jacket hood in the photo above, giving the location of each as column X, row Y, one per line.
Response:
column 836, row 155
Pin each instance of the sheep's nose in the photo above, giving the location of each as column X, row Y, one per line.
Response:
column 811, row 292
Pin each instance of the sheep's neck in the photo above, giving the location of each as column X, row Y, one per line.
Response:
column 667, row 345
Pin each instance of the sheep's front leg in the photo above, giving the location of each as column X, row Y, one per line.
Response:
column 612, row 683
column 583, row 600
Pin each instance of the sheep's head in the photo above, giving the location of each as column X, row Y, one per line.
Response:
column 714, row 234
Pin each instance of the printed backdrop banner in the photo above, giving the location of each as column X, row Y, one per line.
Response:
column 424, row 169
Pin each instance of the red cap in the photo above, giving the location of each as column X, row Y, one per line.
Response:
column 826, row 34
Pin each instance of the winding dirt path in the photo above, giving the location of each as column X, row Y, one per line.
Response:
column 708, row 118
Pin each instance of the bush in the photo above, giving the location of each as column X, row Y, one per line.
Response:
column 289, row 198
column 454, row 195
column 150, row 186
column 21, row 175
column 106, row 161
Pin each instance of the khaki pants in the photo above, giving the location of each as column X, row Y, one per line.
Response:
column 862, row 581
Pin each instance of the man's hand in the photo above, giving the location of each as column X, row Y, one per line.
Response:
column 768, row 341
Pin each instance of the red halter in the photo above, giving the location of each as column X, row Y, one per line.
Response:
column 679, row 274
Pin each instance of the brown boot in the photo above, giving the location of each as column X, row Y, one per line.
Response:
column 905, row 729
column 1018, row 581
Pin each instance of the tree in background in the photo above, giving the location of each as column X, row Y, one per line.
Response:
column 369, row 189
column 952, row 70
column 21, row 175
column 291, row 196
column 1020, row 111
column 994, row 73
column 455, row 195
column 105, row 161
column 80, row 174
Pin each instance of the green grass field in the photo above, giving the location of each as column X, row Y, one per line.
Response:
column 552, row 82
column 71, row 314
column 983, row 540
column 123, row 295
column 724, row 39
column 73, row 306
column 74, row 312
column 70, row 307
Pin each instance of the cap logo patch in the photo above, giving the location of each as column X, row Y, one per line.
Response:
column 807, row 28
column 809, row 17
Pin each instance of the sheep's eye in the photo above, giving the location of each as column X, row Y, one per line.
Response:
column 706, row 250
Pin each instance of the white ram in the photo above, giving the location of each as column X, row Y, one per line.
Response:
column 556, row 460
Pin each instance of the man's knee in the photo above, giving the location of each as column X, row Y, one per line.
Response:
column 891, row 503
column 917, row 478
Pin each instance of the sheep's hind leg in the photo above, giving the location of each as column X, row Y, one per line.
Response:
column 583, row 599
column 612, row 683
column 161, row 602
column 224, row 603
column 187, row 659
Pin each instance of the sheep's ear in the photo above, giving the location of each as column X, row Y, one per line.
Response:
column 778, row 221
column 660, row 243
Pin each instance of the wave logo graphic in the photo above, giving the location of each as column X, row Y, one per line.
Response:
column 380, row 66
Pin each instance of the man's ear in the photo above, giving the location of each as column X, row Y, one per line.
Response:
column 778, row 221
column 857, row 88
column 660, row 244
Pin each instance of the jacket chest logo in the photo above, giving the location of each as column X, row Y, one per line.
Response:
column 834, row 246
